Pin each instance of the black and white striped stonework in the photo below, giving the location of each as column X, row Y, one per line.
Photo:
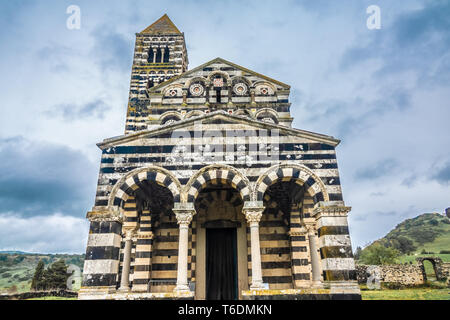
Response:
column 335, row 248
column 102, row 254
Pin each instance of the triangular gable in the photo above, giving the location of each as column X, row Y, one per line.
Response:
column 162, row 26
column 227, row 118
column 217, row 60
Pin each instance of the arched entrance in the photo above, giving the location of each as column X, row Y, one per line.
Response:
column 148, row 259
column 221, row 249
column 431, row 268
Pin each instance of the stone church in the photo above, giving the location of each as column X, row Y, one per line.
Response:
column 211, row 193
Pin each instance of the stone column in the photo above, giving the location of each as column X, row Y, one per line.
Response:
column 184, row 217
column 155, row 51
column 207, row 88
column 163, row 51
column 315, row 261
column 125, row 279
column 253, row 215
column 230, row 92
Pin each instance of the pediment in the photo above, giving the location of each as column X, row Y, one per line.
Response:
column 229, row 70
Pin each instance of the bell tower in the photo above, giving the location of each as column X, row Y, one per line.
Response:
column 160, row 54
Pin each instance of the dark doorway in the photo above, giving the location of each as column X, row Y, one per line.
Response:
column 221, row 264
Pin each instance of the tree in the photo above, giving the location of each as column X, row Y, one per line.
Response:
column 56, row 275
column 377, row 254
column 38, row 279
column 403, row 244
column 358, row 253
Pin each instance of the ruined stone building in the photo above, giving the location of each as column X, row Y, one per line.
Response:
column 210, row 193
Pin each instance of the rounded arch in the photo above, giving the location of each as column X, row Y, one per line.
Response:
column 213, row 173
column 176, row 87
column 267, row 113
column 170, row 115
column 221, row 73
column 286, row 172
column 193, row 80
column 264, row 83
column 124, row 188
column 236, row 79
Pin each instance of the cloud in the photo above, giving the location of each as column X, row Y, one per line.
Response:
column 56, row 233
column 443, row 174
column 112, row 50
column 380, row 169
column 71, row 112
column 415, row 40
column 38, row 178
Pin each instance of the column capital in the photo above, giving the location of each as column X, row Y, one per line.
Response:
column 310, row 229
column 253, row 211
column 129, row 234
column 327, row 209
column 184, row 213
column 106, row 214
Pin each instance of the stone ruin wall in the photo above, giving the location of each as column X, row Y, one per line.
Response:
column 407, row 275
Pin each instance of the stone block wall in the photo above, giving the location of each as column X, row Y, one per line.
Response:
column 407, row 275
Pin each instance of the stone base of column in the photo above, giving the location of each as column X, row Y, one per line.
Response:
column 257, row 286
column 124, row 289
column 182, row 288
column 317, row 284
column 347, row 287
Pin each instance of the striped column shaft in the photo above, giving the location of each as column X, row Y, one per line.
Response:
column 299, row 253
column 334, row 243
column 192, row 251
column 101, row 263
column 130, row 221
column 143, row 256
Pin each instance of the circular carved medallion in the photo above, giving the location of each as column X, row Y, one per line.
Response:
column 240, row 89
column 196, row 89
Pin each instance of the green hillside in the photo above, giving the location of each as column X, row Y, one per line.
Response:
column 422, row 236
column 17, row 268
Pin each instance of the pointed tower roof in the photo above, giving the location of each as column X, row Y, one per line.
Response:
column 162, row 26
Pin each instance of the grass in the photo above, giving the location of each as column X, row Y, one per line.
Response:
column 407, row 294
column 432, row 291
column 53, row 298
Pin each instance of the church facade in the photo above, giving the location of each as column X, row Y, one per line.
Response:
column 210, row 193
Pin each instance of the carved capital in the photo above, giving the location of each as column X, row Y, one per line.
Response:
column 253, row 211
column 331, row 210
column 109, row 215
column 184, row 218
column 310, row 229
column 129, row 234
column 253, row 216
column 184, row 212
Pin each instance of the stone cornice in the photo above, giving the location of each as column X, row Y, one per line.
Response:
column 220, row 114
column 333, row 211
column 105, row 215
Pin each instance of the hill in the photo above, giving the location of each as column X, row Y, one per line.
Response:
column 424, row 235
column 17, row 268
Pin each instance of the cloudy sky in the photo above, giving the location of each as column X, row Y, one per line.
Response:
column 384, row 92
